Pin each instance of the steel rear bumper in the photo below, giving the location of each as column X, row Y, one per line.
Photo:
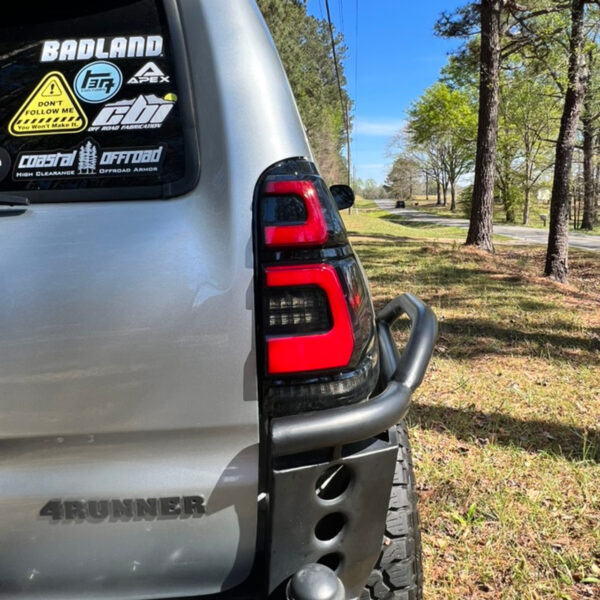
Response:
column 345, row 529
column 402, row 374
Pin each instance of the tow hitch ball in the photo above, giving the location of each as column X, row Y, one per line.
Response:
column 315, row 582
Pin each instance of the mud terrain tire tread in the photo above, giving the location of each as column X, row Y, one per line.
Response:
column 398, row 573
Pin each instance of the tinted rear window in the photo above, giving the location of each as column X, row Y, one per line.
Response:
column 89, row 99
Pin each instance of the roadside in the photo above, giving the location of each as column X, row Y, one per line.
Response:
column 524, row 234
column 505, row 427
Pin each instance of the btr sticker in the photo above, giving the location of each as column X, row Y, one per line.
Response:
column 50, row 109
column 143, row 112
column 98, row 82
column 138, row 46
column 88, row 160
column 4, row 164
column 149, row 73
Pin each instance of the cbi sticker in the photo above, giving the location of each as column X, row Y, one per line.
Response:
column 4, row 163
column 51, row 108
column 144, row 112
column 98, row 82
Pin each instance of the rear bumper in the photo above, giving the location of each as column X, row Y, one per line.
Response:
column 401, row 374
column 345, row 529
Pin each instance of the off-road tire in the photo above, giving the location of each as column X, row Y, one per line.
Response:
column 398, row 573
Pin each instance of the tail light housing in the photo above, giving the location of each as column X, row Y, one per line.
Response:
column 315, row 320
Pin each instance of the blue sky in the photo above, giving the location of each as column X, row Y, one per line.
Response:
column 393, row 59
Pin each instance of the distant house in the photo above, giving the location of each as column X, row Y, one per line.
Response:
column 543, row 195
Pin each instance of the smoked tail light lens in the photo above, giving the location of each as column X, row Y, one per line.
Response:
column 316, row 325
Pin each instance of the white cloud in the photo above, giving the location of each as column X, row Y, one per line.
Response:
column 378, row 128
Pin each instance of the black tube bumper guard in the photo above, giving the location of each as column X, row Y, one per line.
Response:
column 333, row 469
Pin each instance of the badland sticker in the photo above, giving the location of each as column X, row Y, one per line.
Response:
column 139, row 46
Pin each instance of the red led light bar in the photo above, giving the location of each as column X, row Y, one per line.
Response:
column 314, row 352
column 313, row 232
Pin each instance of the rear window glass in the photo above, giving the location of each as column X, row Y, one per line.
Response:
column 89, row 98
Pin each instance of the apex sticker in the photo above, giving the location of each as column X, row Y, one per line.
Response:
column 149, row 73
column 98, row 82
column 50, row 109
column 143, row 112
column 89, row 160
column 139, row 46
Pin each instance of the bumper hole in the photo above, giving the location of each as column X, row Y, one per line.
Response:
column 329, row 526
column 333, row 482
column 332, row 560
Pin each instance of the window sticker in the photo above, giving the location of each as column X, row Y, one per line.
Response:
column 98, row 82
column 143, row 112
column 50, row 109
column 69, row 120
column 149, row 73
column 102, row 48
column 88, row 159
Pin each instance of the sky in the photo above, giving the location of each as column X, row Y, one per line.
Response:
column 391, row 61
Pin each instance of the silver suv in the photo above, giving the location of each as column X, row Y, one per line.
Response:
column 196, row 396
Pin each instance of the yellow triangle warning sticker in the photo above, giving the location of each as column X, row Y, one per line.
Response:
column 51, row 108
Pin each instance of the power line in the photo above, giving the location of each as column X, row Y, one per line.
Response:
column 339, row 82
column 356, row 60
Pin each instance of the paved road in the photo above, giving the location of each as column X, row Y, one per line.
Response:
column 525, row 234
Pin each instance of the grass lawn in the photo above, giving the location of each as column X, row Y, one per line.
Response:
column 505, row 428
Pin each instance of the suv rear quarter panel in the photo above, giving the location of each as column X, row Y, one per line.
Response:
column 127, row 360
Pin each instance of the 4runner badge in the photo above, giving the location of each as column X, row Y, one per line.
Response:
column 130, row 509
column 149, row 73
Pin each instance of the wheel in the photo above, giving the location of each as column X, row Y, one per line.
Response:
column 398, row 573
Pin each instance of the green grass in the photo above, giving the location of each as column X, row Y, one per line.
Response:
column 505, row 427
column 385, row 224
column 535, row 220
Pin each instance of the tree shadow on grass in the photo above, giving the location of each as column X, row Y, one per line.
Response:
column 573, row 443
column 400, row 220
column 522, row 317
column 468, row 338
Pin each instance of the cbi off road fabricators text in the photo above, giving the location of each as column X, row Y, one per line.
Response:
column 123, row 510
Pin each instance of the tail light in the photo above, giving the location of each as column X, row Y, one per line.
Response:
column 315, row 326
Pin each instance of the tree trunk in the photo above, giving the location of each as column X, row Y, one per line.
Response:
column 482, row 208
column 557, row 255
column 509, row 206
column 427, row 187
column 589, row 196
column 438, row 192
column 452, row 196
column 445, row 188
column 526, row 207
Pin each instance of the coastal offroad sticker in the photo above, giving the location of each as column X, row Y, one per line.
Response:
column 4, row 164
column 89, row 160
column 143, row 112
column 98, row 82
column 149, row 73
column 51, row 108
